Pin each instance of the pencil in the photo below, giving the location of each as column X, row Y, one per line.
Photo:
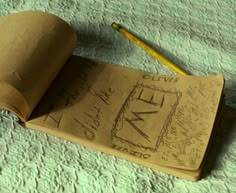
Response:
column 149, row 49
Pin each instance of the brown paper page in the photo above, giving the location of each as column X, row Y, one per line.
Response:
column 33, row 48
column 151, row 119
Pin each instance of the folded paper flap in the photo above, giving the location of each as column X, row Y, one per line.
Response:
column 11, row 99
column 34, row 46
column 164, row 120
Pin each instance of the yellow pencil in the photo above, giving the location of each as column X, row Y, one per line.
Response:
column 149, row 49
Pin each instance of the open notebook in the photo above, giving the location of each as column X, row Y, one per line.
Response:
column 162, row 122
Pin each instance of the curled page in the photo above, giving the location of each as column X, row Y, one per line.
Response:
column 12, row 100
column 33, row 48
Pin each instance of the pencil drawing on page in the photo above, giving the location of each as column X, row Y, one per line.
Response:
column 145, row 104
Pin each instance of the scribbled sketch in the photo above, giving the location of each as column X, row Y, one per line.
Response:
column 147, row 108
column 163, row 120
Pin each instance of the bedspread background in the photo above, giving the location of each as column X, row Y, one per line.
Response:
column 198, row 35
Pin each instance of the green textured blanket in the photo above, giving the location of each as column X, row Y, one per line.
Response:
column 197, row 35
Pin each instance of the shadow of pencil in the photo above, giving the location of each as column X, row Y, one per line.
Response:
column 224, row 132
column 170, row 56
column 100, row 41
column 164, row 52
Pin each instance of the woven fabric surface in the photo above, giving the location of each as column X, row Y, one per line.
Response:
column 199, row 36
